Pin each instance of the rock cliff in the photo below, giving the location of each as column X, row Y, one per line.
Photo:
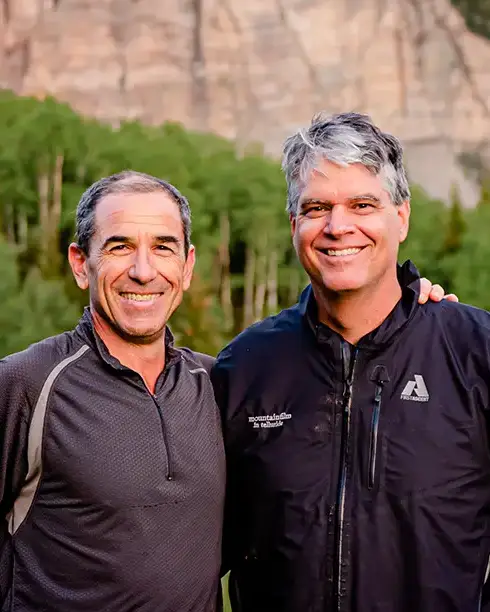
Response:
column 256, row 69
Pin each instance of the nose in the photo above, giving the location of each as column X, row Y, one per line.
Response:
column 142, row 270
column 338, row 222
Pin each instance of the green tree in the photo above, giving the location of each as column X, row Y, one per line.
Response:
column 476, row 14
column 32, row 309
column 246, row 266
column 469, row 267
column 456, row 225
column 428, row 219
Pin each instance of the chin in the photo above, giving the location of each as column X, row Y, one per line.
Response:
column 146, row 337
column 342, row 283
column 144, row 333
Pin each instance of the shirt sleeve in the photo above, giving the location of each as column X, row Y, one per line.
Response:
column 14, row 428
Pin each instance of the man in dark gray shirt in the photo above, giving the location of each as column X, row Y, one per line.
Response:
column 111, row 459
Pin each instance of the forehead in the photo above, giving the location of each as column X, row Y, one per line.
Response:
column 132, row 213
column 332, row 182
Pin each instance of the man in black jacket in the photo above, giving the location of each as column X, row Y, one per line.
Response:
column 356, row 422
column 111, row 456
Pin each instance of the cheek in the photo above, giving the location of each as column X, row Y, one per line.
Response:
column 107, row 272
column 306, row 233
column 172, row 270
column 395, row 233
column 383, row 233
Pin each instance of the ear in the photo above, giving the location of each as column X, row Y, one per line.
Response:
column 292, row 222
column 404, row 219
column 189, row 267
column 78, row 263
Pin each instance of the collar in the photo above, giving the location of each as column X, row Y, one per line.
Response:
column 85, row 329
column 409, row 279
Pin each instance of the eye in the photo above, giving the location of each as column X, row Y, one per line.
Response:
column 364, row 206
column 163, row 248
column 315, row 210
column 118, row 248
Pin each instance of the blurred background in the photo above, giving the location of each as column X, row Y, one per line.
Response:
column 203, row 93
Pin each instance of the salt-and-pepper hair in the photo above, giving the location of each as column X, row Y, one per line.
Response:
column 346, row 138
column 126, row 182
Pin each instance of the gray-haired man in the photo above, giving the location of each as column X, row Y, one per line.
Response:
column 112, row 465
column 355, row 422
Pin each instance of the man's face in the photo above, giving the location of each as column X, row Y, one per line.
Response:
column 136, row 269
column 347, row 230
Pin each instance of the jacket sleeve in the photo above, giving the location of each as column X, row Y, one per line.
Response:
column 14, row 428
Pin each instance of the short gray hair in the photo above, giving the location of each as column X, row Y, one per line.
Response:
column 126, row 182
column 343, row 139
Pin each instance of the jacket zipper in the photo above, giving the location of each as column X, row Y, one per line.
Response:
column 169, row 474
column 373, row 441
column 380, row 377
column 349, row 367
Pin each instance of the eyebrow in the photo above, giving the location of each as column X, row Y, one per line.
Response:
column 362, row 197
column 164, row 239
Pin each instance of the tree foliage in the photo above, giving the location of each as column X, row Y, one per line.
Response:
column 476, row 14
column 33, row 308
column 246, row 266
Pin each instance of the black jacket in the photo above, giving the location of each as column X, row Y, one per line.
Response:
column 359, row 476
column 113, row 495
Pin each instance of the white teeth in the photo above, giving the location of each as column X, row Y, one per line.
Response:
column 139, row 297
column 343, row 252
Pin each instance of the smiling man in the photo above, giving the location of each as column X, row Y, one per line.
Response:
column 346, row 232
column 355, row 422
column 112, row 464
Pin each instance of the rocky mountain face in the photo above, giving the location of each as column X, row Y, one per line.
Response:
column 254, row 70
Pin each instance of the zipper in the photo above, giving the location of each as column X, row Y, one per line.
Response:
column 349, row 360
column 380, row 377
column 169, row 475
column 331, row 554
column 373, row 442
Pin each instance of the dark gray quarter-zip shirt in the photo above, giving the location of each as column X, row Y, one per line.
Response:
column 111, row 497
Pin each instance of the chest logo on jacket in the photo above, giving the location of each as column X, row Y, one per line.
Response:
column 415, row 390
column 269, row 420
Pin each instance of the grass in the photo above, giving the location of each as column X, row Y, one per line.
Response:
column 226, row 601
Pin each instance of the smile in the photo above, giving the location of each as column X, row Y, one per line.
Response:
column 140, row 297
column 342, row 252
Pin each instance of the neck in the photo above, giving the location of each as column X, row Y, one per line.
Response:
column 353, row 314
column 147, row 360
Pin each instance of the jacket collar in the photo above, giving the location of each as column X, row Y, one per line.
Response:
column 409, row 279
column 85, row 328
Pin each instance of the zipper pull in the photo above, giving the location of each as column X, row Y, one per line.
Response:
column 380, row 377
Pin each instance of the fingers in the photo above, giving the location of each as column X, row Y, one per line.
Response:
column 434, row 293
column 428, row 291
column 425, row 288
column 451, row 297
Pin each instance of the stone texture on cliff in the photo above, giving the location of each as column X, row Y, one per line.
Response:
column 255, row 70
